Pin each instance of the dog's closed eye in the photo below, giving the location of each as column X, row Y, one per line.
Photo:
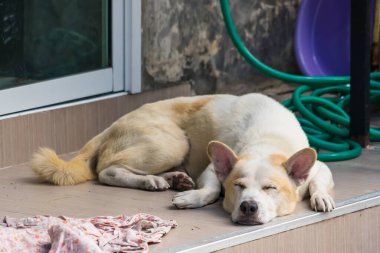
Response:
column 269, row 187
column 239, row 184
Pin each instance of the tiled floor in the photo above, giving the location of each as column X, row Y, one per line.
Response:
column 22, row 194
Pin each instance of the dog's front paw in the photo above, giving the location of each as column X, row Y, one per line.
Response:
column 322, row 202
column 194, row 198
column 155, row 183
column 188, row 199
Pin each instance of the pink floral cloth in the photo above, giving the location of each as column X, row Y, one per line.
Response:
column 99, row 234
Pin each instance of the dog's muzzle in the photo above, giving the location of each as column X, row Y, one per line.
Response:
column 248, row 213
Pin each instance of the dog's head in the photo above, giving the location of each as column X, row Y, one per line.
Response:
column 258, row 189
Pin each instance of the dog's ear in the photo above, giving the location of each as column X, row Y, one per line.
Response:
column 222, row 157
column 299, row 165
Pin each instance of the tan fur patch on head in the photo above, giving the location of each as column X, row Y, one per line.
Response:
column 183, row 107
column 245, row 157
column 278, row 159
column 288, row 192
column 228, row 202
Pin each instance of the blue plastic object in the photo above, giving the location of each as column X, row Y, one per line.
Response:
column 322, row 41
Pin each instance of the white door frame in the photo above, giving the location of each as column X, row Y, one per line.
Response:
column 123, row 76
column 132, row 33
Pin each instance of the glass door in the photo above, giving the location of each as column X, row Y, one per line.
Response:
column 53, row 51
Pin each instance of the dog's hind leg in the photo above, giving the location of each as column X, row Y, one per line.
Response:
column 118, row 176
column 138, row 161
column 178, row 180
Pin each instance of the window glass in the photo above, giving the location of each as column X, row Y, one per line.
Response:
column 46, row 39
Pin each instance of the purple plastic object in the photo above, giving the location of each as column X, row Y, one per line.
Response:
column 322, row 41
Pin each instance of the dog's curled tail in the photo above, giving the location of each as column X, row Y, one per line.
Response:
column 51, row 168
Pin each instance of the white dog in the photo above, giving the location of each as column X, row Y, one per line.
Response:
column 258, row 153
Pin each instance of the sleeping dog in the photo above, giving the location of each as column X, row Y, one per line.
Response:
column 250, row 145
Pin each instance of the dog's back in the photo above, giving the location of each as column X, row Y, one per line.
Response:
column 254, row 116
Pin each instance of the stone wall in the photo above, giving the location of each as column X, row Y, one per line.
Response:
column 186, row 41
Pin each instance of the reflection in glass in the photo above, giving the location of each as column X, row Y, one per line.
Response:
column 45, row 39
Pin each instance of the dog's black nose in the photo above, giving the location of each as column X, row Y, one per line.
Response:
column 248, row 207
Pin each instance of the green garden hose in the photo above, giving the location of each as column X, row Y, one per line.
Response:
column 321, row 111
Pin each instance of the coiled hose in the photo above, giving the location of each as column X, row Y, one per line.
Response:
column 318, row 103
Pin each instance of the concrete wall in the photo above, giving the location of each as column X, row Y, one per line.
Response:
column 186, row 41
